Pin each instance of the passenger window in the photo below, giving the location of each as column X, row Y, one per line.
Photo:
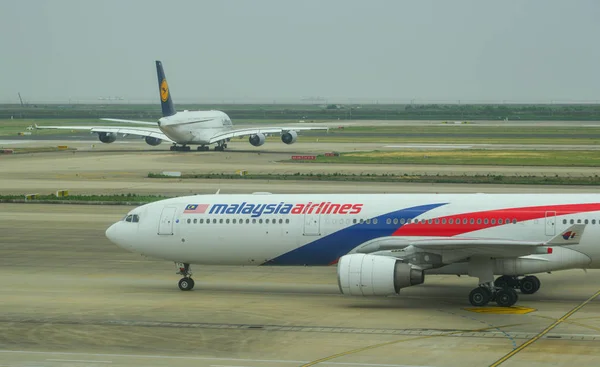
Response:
column 578, row 221
column 564, row 221
column 514, row 221
column 368, row 221
column 493, row 221
column 221, row 221
column 375, row 221
column 472, row 221
column 478, row 220
column 593, row 221
column 465, row 221
column 280, row 221
column 215, row 221
column 247, row 221
column 586, row 221
column 354, row 220
column 227, row 221
column 189, row 220
column 287, row 220
column 572, row 221
column 195, row 220
column 201, row 221
column 254, row 221
column 402, row 221
column 444, row 221
column 450, row 221
column 437, row 221
column 260, row 221
column 267, row 221
column 388, row 221
column 485, row 221
column 430, row 221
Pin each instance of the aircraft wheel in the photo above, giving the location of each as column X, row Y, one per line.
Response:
column 529, row 285
column 506, row 281
column 173, row 148
column 479, row 296
column 506, row 297
column 186, row 284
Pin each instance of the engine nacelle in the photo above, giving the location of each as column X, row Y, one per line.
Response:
column 257, row 140
column 372, row 275
column 107, row 137
column 152, row 141
column 290, row 137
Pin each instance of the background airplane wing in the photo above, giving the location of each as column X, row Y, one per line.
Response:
column 131, row 121
column 261, row 130
column 126, row 130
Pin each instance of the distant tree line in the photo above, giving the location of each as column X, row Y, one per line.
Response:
column 326, row 112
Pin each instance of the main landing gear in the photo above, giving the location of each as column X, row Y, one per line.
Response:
column 177, row 148
column 528, row 285
column 220, row 147
column 186, row 283
column 202, row 148
column 486, row 293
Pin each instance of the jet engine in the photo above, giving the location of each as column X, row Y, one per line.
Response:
column 107, row 137
column 257, row 140
column 152, row 141
column 290, row 137
column 373, row 275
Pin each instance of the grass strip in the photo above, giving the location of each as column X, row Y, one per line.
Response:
column 404, row 178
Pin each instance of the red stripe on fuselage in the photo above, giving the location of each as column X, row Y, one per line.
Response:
column 520, row 214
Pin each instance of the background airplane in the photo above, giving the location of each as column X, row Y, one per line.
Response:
column 381, row 243
column 186, row 128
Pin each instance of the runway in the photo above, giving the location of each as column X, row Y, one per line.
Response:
column 70, row 298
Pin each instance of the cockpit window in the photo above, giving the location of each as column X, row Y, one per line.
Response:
column 134, row 218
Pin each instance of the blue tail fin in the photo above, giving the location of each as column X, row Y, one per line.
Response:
column 165, row 95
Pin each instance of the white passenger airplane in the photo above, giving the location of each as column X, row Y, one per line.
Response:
column 381, row 243
column 186, row 128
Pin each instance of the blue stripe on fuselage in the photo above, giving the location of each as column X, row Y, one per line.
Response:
column 328, row 249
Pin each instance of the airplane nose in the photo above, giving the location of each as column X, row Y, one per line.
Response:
column 111, row 233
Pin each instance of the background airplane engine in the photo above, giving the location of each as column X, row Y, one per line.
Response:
column 257, row 140
column 107, row 137
column 372, row 275
column 290, row 137
column 152, row 141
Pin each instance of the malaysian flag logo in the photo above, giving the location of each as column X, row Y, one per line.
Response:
column 195, row 209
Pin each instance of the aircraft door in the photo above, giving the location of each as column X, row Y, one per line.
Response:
column 550, row 223
column 312, row 225
column 165, row 225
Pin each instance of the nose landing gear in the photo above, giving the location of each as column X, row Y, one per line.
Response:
column 186, row 283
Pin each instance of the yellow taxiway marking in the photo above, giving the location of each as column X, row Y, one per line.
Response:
column 325, row 359
column 502, row 310
column 544, row 332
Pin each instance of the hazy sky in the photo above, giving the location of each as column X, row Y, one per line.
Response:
column 265, row 50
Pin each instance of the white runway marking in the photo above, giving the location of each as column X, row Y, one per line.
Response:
column 109, row 355
column 78, row 360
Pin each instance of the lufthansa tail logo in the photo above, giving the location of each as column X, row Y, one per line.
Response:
column 164, row 90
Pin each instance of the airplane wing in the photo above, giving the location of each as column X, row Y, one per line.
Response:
column 131, row 121
column 261, row 130
column 126, row 130
column 459, row 248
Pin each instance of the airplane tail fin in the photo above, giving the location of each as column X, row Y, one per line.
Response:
column 166, row 102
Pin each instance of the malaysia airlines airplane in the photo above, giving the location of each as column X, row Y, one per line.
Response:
column 381, row 243
column 186, row 128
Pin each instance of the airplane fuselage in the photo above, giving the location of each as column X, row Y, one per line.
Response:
column 318, row 229
column 195, row 127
